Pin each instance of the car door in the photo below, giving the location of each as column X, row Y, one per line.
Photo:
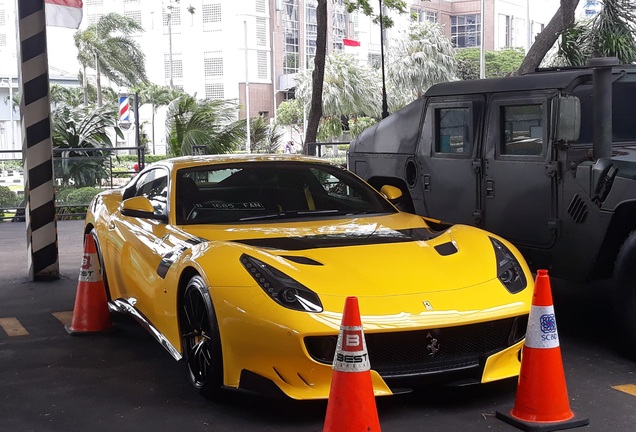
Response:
column 141, row 244
column 448, row 153
column 519, row 183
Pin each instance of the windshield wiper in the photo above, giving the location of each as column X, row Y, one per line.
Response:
column 292, row 214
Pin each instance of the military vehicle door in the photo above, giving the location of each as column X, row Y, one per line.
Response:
column 447, row 151
column 519, row 182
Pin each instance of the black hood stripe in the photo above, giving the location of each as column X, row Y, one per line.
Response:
column 341, row 240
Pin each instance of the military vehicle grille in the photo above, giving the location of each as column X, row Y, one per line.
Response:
column 577, row 209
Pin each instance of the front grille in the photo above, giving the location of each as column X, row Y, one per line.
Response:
column 409, row 353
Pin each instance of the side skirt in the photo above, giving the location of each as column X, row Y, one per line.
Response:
column 123, row 306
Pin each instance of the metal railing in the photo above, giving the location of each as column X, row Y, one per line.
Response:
column 67, row 210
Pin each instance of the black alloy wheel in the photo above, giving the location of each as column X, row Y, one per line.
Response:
column 200, row 338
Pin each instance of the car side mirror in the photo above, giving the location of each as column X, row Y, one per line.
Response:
column 140, row 207
column 569, row 119
column 391, row 193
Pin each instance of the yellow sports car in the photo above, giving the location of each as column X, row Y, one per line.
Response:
column 240, row 265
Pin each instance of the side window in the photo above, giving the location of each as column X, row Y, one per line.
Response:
column 154, row 186
column 522, row 130
column 452, row 131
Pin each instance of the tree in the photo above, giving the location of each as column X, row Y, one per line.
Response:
column 108, row 47
column 290, row 113
column 419, row 58
column 562, row 20
column 77, row 128
column 349, row 89
column 498, row 63
column 265, row 138
column 315, row 108
column 210, row 123
column 317, row 77
column 609, row 34
column 155, row 95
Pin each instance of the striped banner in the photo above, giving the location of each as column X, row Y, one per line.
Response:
column 37, row 148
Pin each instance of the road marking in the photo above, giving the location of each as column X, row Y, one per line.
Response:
column 12, row 327
column 65, row 318
column 626, row 388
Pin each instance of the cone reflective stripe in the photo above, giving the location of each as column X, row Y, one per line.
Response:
column 542, row 402
column 351, row 406
column 90, row 313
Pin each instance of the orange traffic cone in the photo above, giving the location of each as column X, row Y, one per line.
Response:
column 90, row 313
column 542, row 402
column 351, row 405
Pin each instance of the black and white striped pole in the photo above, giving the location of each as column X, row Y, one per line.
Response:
column 42, row 248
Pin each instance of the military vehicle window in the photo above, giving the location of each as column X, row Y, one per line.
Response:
column 452, row 133
column 522, row 130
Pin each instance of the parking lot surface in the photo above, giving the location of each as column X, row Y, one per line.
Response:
column 124, row 381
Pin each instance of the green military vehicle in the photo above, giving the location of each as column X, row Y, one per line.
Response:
column 546, row 160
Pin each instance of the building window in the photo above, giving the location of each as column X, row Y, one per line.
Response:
column 175, row 16
column 374, row 60
column 505, row 35
column 3, row 39
column 211, row 13
column 291, row 48
column 214, row 91
column 213, row 66
column 261, row 64
column 261, row 31
column 420, row 15
column 95, row 2
column 177, row 68
column 311, row 30
column 260, row 6
column 134, row 15
column 339, row 24
column 466, row 30
column 93, row 18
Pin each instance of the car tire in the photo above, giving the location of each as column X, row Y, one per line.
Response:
column 624, row 294
column 200, row 339
column 102, row 269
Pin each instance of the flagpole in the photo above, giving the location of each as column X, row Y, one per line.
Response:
column 385, row 108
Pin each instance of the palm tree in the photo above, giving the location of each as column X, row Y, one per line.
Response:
column 156, row 95
column 107, row 46
column 210, row 123
column 419, row 58
column 76, row 128
column 265, row 138
column 349, row 89
column 610, row 33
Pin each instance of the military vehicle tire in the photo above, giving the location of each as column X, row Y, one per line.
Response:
column 624, row 296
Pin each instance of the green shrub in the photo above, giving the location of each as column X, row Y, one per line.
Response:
column 8, row 198
column 82, row 196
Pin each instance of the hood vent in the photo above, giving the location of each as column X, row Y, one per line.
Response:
column 446, row 249
column 301, row 260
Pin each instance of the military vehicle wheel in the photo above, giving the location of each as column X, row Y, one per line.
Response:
column 625, row 295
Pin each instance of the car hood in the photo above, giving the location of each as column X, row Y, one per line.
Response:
column 369, row 256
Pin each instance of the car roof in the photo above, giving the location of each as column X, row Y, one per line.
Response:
column 540, row 80
column 194, row 161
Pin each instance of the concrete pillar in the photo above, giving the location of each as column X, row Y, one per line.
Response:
column 42, row 256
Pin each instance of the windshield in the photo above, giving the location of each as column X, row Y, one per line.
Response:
column 250, row 192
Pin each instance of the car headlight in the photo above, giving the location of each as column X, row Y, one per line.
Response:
column 509, row 271
column 281, row 288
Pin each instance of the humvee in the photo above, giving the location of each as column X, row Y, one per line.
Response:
column 546, row 160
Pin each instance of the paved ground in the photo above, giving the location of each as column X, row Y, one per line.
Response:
column 124, row 381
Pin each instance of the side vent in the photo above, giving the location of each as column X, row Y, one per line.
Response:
column 301, row 260
column 577, row 209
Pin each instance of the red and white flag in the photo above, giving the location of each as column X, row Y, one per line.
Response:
column 63, row 13
column 350, row 42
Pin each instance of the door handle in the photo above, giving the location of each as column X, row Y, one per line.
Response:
column 427, row 182
column 490, row 188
